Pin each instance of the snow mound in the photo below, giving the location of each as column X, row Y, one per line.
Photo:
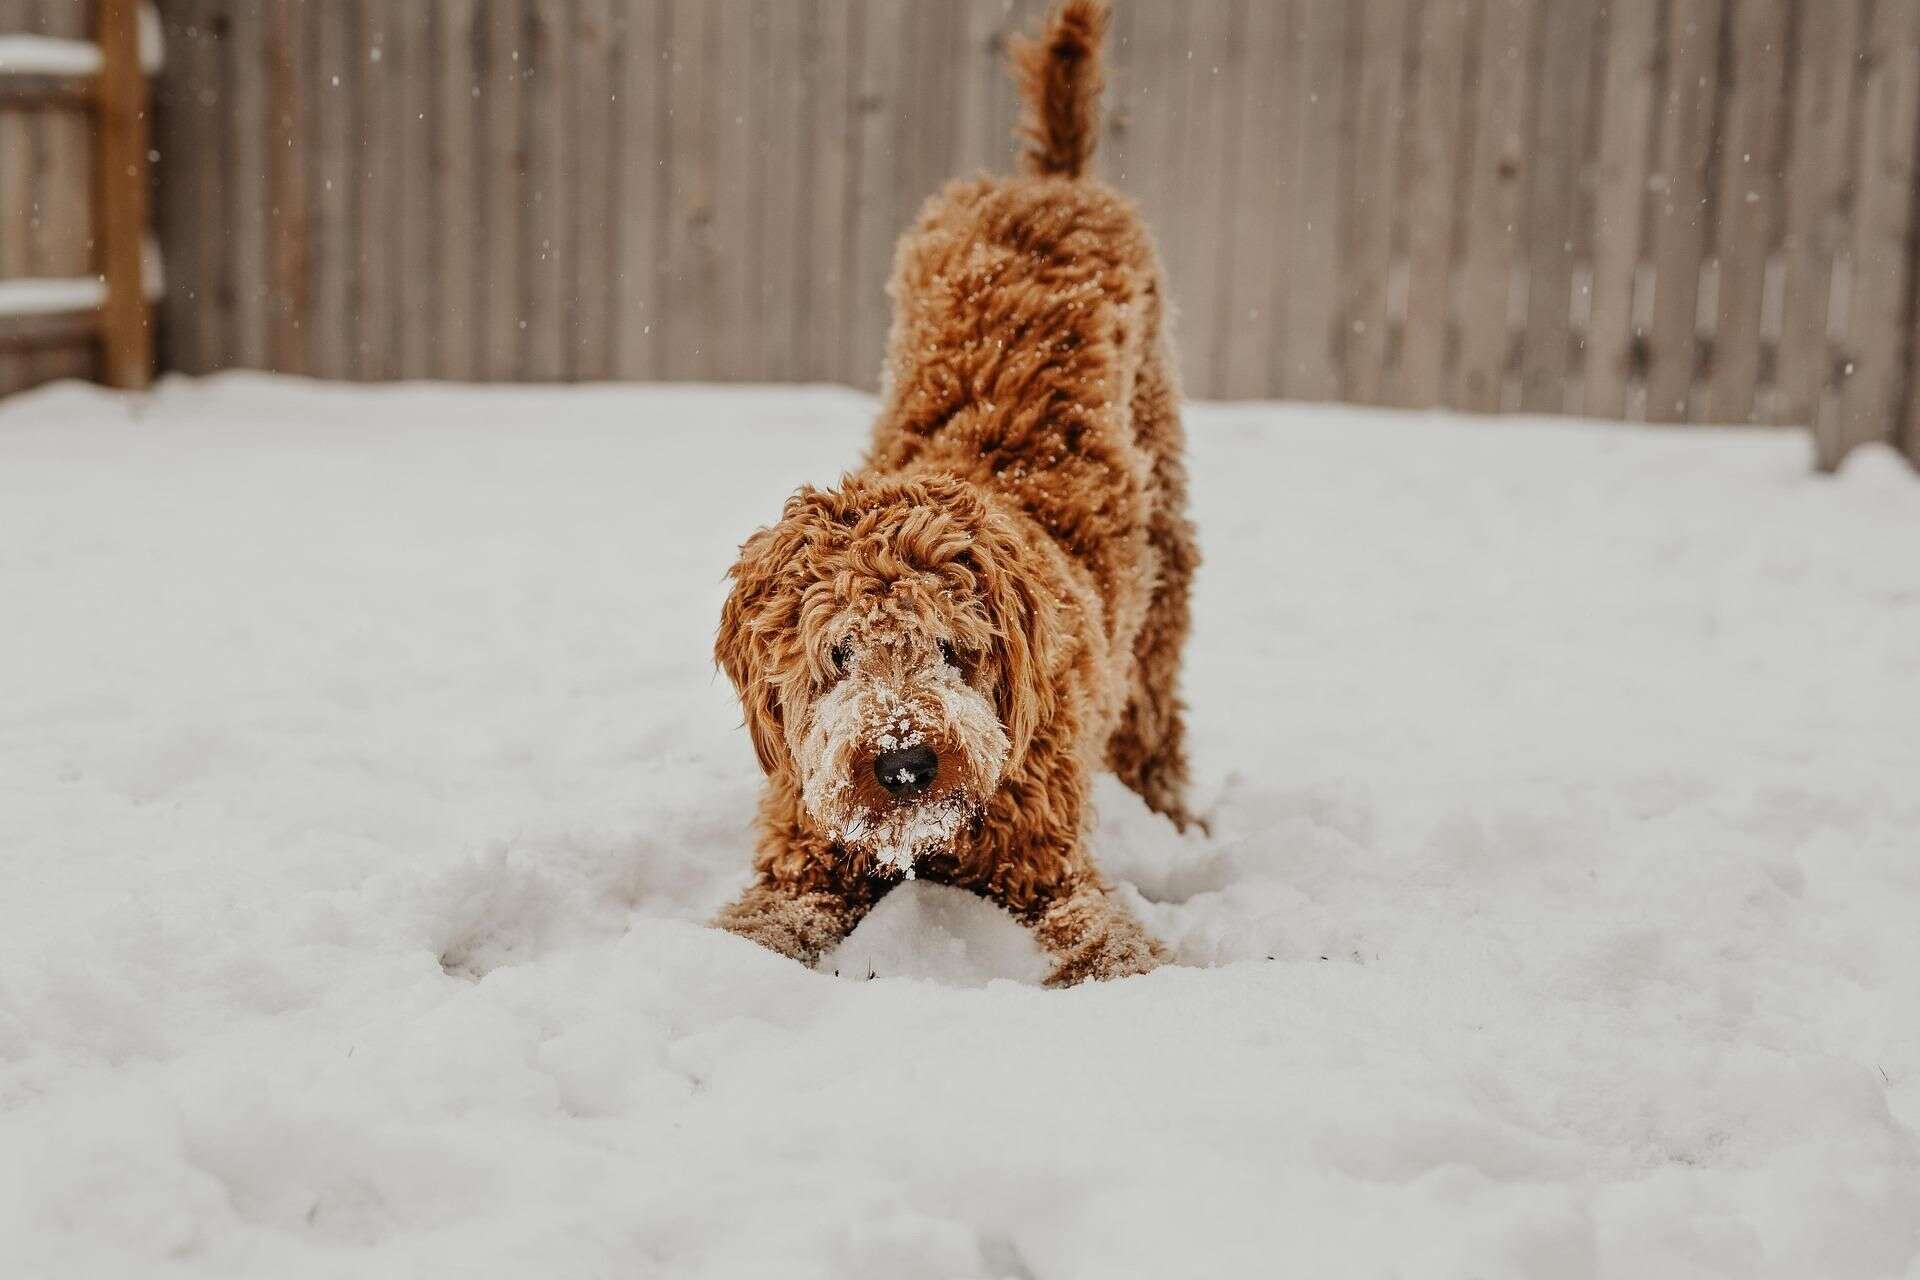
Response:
column 364, row 780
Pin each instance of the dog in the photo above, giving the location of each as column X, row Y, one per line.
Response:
column 935, row 656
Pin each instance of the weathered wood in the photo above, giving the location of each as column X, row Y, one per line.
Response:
column 1312, row 361
column 1375, row 65
column 1267, row 157
column 503, row 267
column 1556, row 151
column 549, row 149
column 23, row 339
column 1433, row 178
column 639, row 211
column 1823, row 82
column 1749, row 204
column 24, row 89
column 1495, row 206
column 1401, row 200
column 1214, row 58
column 732, row 336
column 290, row 267
column 331, row 259
column 831, row 103
column 686, row 295
column 245, row 179
column 374, row 183
column 784, row 210
column 16, row 235
column 457, row 188
column 1873, row 386
column 408, row 297
column 871, row 204
column 1628, row 91
column 592, row 111
column 1156, row 53
column 126, row 325
column 1681, row 216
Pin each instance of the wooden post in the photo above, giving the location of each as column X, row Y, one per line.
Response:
column 126, row 323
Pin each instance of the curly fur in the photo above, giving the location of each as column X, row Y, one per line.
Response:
column 1006, row 578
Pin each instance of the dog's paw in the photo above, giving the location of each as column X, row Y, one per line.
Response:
column 1107, row 963
column 1094, row 939
column 799, row 926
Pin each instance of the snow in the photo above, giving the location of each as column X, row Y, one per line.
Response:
column 364, row 781
column 60, row 295
column 55, row 56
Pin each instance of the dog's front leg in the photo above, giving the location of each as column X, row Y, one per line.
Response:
column 794, row 922
column 1092, row 937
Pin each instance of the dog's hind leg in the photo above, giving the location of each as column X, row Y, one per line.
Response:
column 1148, row 750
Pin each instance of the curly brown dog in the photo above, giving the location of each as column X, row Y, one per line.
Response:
column 935, row 656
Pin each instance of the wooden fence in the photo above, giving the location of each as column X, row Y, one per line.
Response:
column 73, row 184
column 1679, row 210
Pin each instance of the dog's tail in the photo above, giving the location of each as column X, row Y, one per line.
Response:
column 1060, row 80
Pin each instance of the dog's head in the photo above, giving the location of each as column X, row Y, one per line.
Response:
column 890, row 642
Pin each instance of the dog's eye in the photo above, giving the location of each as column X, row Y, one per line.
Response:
column 842, row 655
column 951, row 656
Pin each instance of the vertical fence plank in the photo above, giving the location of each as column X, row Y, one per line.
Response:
column 127, row 320
column 1749, row 205
column 1827, row 43
column 1495, row 206
column 1681, row 217
column 1375, row 67
column 732, row 338
column 984, row 29
column 549, row 167
column 330, row 337
column 190, row 260
column 1628, row 90
column 1556, row 151
column 785, row 211
column 639, row 180
column 1157, row 49
column 16, row 211
column 1215, row 61
column 213, row 118
column 246, row 180
column 880, row 37
column 60, row 137
column 290, row 276
column 502, row 265
column 459, row 191
column 830, row 173
column 410, row 53
column 587, row 75
column 687, row 295
column 1874, row 371
column 372, row 134
column 1436, row 150
column 1312, row 357
column 1267, row 160
column 64, row 244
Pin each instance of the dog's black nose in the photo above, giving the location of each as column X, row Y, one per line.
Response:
column 906, row 773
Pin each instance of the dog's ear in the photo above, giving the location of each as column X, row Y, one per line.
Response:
column 746, row 644
column 1027, row 648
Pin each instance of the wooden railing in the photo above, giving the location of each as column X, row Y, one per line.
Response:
column 75, row 275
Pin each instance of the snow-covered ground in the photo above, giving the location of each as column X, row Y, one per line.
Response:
column 364, row 781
